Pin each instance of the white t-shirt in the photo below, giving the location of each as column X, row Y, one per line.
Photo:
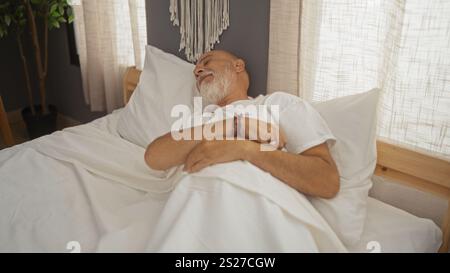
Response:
column 303, row 126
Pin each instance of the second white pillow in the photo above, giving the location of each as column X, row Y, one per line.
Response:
column 352, row 120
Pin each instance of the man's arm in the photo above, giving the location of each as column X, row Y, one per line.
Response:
column 166, row 152
column 312, row 172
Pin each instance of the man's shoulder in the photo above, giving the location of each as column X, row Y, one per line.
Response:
column 282, row 99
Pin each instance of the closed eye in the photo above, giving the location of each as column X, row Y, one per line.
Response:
column 206, row 60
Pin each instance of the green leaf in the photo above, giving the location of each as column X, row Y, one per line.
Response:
column 71, row 18
column 7, row 20
column 53, row 8
column 55, row 24
column 55, row 13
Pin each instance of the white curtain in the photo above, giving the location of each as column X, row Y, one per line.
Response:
column 342, row 47
column 110, row 35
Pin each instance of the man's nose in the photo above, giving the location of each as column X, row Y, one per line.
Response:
column 198, row 71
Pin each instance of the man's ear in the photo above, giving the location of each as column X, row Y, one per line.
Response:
column 239, row 65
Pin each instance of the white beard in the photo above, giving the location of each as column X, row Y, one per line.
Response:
column 214, row 91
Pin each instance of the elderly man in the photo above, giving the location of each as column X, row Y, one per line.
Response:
column 305, row 163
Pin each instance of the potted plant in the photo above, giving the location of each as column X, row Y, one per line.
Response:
column 18, row 16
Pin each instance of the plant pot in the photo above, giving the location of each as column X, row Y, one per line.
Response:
column 39, row 124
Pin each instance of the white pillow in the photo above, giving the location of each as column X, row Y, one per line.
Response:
column 352, row 120
column 165, row 81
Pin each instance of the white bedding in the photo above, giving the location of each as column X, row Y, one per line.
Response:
column 86, row 184
column 397, row 230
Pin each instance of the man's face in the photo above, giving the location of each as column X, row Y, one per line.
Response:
column 214, row 76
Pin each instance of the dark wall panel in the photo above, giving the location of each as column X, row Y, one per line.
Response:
column 247, row 36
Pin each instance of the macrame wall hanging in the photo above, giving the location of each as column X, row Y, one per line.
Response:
column 201, row 23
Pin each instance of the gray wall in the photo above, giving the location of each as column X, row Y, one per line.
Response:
column 247, row 36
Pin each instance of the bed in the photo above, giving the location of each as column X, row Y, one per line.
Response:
column 52, row 194
column 409, row 168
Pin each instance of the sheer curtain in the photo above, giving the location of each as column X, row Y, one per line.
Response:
column 110, row 35
column 350, row 46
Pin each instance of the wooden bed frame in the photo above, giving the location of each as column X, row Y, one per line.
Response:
column 400, row 165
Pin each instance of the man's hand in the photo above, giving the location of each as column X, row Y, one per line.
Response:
column 212, row 152
column 261, row 131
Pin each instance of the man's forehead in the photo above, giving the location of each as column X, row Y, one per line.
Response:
column 205, row 55
column 222, row 53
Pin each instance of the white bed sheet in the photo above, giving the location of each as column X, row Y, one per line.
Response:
column 397, row 230
column 86, row 184
column 47, row 213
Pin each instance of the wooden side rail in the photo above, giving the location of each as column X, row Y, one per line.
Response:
column 419, row 171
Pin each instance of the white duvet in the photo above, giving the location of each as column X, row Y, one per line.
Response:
column 86, row 184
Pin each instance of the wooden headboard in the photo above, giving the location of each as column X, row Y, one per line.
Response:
column 400, row 165
column 130, row 81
